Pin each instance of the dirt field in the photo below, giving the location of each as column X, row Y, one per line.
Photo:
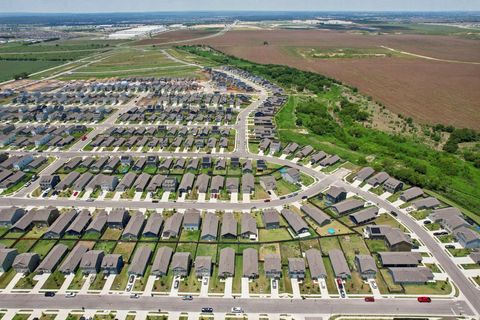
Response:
column 429, row 91
column 175, row 36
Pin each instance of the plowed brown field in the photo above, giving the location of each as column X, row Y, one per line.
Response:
column 427, row 90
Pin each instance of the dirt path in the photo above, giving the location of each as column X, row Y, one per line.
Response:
column 429, row 58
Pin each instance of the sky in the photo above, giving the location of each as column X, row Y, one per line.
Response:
column 91, row 6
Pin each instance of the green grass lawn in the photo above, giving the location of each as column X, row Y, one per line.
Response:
column 330, row 243
column 12, row 68
column 190, row 235
column 125, row 249
column 272, row 235
column 290, row 250
column 190, row 283
column 55, row 281
column 6, row 277
column 23, row 246
column 42, row 247
column 437, row 287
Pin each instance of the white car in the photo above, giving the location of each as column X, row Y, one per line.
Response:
column 70, row 295
column 134, row 296
column 237, row 310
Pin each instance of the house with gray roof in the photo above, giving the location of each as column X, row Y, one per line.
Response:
column 7, row 256
column 24, row 223
column 45, row 217
column 271, row 218
column 296, row 268
column 232, row 184
column 268, row 183
column 329, row 161
column 229, row 226
column 392, row 185
column 226, row 265
column 91, row 261
column 112, row 264
column 426, row 203
column 366, row 266
column 339, row 264
column 53, row 258
column 378, row 179
column 153, row 226
column 9, row 216
column 347, row 206
column 295, row 222
column 60, row 225
column 400, row 259
column 170, row 184
column 172, row 226
column 315, row 264
column 248, row 227
column 126, row 182
column 26, row 262
column 411, row 194
column 72, row 261
column 202, row 182
column 317, row 157
column 467, row 237
column 250, row 263
column 203, row 266
column 180, row 265
column 316, row 214
column 162, row 261
column 394, row 238
column 272, row 266
column 68, row 181
column 186, row 184
column 217, row 184
column 191, row 219
column 99, row 223
column 209, row 227
column 79, row 224
column 82, row 181
column 364, row 173
column 416, row 275
column 141, row 182
column 364, row 216
column 291, row 175
column 140, row 261
column 134, row 226
column 335, row 194
column 156, row 182
column 118, row 218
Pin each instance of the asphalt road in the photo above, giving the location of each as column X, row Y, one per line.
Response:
column 173, row 304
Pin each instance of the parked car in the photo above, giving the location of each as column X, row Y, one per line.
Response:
column 340, row 283
column 449, row 246
column 75, row 193
column 305, row 197
column 131, row 279
column 393, row 213
column 49, row 294
column 424, row 299
column 207, row 309
column 134, row 296
column 237, row 310
column 369, row 299
column 342, row 293
column 427, row 222
column 205, row 281
column 274, row 284
column 436, row 234
column 70, row 294
column 176, row 284
column 187, row 298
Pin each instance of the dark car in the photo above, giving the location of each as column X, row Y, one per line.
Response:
column 369, row 299
column 207, row 310
column 49, row 294
column 437, row 233
column 427, row 222
column 393, row 213
column 449, row 246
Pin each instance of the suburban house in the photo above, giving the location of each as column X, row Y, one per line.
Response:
column 392, row 185
column 394, row 238
column 296, row 268
column 366, row 266
column 99, row 223
column 248, row 183
column 298, row 225
column 209, row 227
column 191, row 219
column 411, row 194
column 9, row 216
column 172, row 226
column 248, row 227
column 316, row 214
column 153, row 226
column 26, row 262
column 378, row 179
column 49, row 181
column 162, row 261
column 315, row 264
column 140, row 260
column 229, row 226
column 180, row 265
column 112, row 264
column 72, row 261
column 118, row 218
column 91, row 261
column 364, row 216
column 347, row 206
column 273, row 266
column 226, row 265
column 400, row 259
column 268, row 183
column 7, row 256
column 250, row 263
column 60, row 225
column 416, row 275
column 52, row 259
column 335, row 194
column 467, row 237
column 271, row 218
column 203, row 266
column 291, row 175
column 426, row 203
column 134, row 226
column 339, row 264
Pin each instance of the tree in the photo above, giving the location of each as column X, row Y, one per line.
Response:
column 20, row 76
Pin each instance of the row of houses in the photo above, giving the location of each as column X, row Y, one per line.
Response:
column 58, row 113
column 168, row 131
